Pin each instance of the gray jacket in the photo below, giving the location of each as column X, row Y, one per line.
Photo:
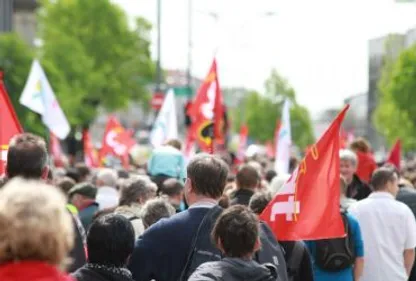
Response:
column 234, row 269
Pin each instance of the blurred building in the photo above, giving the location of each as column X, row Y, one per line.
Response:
column 356, row 119
column 19, row 16
column 390, row 46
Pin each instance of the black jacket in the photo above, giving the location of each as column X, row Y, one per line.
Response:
column 358, row 189
column 77, row 254
column 232, row 269
column 303, row 263
column 93, row 272
column 242, row 197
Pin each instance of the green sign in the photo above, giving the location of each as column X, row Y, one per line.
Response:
column 183, row 91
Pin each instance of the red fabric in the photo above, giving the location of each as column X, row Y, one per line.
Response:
column 117, row 141
column 242, row 143
column 90, row 153
column 395, row 154
column 31, row 271
column 366, row 166
column 208, row 110
column 307, row 208
column 9, row 124
column 269, row 149
column 56, row 151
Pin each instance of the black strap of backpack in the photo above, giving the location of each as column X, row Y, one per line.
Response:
column 295, row 259
column 212, row 212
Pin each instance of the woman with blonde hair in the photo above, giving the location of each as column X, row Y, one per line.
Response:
column 36, row 232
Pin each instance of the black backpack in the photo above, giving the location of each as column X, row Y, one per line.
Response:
column 338, row 253
column 203, row 250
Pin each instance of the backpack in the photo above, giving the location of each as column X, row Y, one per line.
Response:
column 294, row 260
column 203, row 250
column 338, row 253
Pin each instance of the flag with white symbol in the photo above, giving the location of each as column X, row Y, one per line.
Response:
column 39, row 97
column 166, row 124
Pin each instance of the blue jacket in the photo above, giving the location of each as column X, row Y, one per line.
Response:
column 161, row 252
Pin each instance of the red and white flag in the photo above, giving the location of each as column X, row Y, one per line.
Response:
column 307, row 207
column 242, row 145
column 9, row 124
column 90, row 153
column 56, row 151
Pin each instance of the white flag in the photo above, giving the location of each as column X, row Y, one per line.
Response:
column 40, row 98
column 166, row 124
column 284, row 141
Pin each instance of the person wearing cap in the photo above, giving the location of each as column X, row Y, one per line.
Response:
column 83, row 196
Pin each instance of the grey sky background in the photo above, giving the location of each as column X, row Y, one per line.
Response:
column 320, row 46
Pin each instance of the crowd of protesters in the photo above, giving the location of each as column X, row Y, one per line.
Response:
column 198, row 221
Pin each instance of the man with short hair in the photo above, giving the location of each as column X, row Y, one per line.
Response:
column 173, row 189
column 357, row 189
column 155, row 210
column 248, row 180
column 388, row 228
column 107, row 195
column 236, row 234
column 177, row 245
column 28, row 158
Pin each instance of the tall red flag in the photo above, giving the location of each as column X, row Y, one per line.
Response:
column 395, row 154
column 117, row 142
column 307, row 207
column 9, row 124
column 90, row 153
column 56, row 151
column 207, row 112
column 366, row 165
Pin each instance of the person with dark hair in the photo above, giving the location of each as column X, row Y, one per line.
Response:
column 167, row 162
column 178, row 244
column 110, row 242
column 155, row 210
column 65, row 184
column 83, row 171
column 73, row 174
column 389, row 230
column 236, row 235
column 27, row 157
column 173, row 189
column 259, row 202
column 248, row 180
column 270, row 175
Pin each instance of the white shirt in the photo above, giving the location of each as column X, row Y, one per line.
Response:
column 107, row 197
column 388, row 228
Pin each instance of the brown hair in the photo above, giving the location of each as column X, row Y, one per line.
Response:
column 175, row 143
column 361, row 145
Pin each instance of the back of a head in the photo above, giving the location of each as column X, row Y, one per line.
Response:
column 83, row 170
column 256, row 165
column 175, row 143
column 171, row 187
column 270, row 175
column 259, row 201
column 135, row 189
column 107, row 177
column 247, row 177
column 26, row 218
column 156, row 209
column 208, row 174
column 381, row 177
column 110, row 240
column 65, row 184
column 236, row 231
column 360, row 144
column 27, row 157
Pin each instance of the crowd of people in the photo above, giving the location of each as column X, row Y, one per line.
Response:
column 197, row 221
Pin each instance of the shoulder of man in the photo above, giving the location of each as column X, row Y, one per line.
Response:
column 209, row 271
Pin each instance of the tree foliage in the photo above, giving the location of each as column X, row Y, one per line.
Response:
column 15, row 60
column 92, row 58
column 261, row 111
column 395, row 116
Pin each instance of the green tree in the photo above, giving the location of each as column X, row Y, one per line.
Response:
column 92, row 58
column 260, row 112
column 15, row 60
column 395, row 115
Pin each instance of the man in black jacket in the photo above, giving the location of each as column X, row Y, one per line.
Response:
column 248, row 180
column 28, row 158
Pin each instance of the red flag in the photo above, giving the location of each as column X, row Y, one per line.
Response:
column 90, row 153
column 395, row 154
column 343, row 139
column 9, row 124
column 243, row 143
column 307, row 207
column 117, row 142
column 366, row 165
column 207, row 112
column 56, row 151
column 189, row 146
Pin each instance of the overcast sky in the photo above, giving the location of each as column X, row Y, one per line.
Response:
column 320, row 46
